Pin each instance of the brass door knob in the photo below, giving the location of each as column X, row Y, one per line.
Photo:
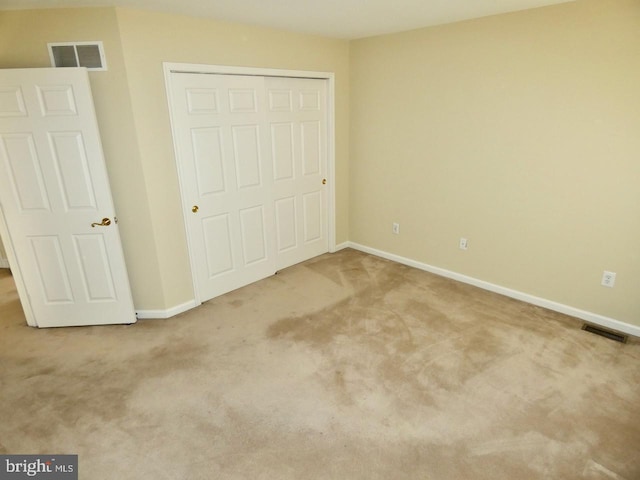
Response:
column 324, row 181
column 195, row 209
column 105, row 223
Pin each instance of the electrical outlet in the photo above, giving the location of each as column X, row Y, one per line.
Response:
column 608, row 279
column 395, row 228
column 464, row 244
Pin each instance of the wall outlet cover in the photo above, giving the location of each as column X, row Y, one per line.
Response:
column 608, row 279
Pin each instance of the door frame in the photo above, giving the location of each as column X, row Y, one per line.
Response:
column 16, row 272
column 171, row 67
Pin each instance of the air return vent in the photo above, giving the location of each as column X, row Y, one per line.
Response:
column 618, row 337
column 78, row 54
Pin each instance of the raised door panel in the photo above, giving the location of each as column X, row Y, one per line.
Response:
column 280, row 100
column 72, row 167
column 312, row 216
column 283, row 151
column 286, row 224
column 12, row 102
column 202, row 101
column 91, row 252
column 253, row 234
column 247, row 155
column 243, row 100
column 57, row 100
column 311, row 147
column 22, row 165
column 218, row 243
column 52, row 273
column 310, row 99
column 208, row 160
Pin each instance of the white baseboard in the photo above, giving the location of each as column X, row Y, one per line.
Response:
column 525, row 297
column 4, row 263
column 341, row 246
column 171, row 312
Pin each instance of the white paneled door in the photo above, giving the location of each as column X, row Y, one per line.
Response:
column 226, row 168
column 56, row 201
column 297, row 119
column 252, row 159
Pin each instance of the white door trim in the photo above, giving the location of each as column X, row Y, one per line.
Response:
column 170, row 67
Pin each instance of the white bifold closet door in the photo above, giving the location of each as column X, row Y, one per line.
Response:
column 252, row 156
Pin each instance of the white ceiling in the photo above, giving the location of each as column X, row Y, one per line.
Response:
column 347, row 19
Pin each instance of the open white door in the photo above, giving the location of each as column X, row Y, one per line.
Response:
column 56, row 201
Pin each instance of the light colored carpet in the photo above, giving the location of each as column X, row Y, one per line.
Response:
column 344, row 367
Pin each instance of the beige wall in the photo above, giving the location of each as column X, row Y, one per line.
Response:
column 23, row 44
column 134, row 121
column 520, row 132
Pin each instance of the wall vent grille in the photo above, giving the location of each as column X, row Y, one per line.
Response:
column 618, row 337
column 78, row 54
